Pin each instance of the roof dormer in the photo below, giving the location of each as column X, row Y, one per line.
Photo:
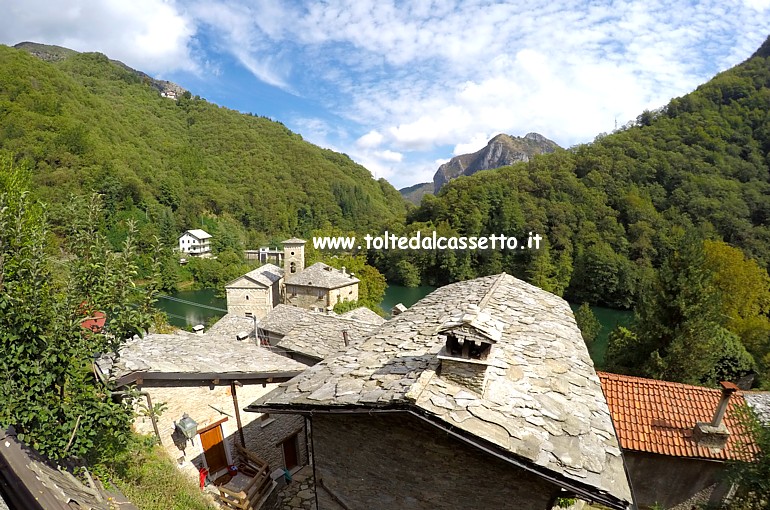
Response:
column 469, row 341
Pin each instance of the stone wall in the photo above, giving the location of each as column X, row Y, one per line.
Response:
column 389, row 461
column 313, row 298
column 207, row 407
column 465, row 373
column 675, row 483
column 258, row 302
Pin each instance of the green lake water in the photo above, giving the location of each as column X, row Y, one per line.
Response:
column 184, row 310
column 191, row 307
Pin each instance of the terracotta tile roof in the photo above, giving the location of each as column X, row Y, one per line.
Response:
column 658, row 416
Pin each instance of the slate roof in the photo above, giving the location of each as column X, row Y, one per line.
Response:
column 294, row 240
column 760, row 403
column 363, row 314
column 321, row 276
column 542, row 407
column 658, row 416
column 33, row 482
column 319, row 336
column 232, row 325
column 282, row 318
column 183, row 354
column 265, row 275
column 198, row 233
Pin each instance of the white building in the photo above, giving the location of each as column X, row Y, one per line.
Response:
column 195, row 242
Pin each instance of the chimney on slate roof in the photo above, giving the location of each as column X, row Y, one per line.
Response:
column 714, row 435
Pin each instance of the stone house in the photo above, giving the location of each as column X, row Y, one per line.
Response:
column 195, row 242
column 481, row 395
column 278, row 322
column 320, row 287
column 205, row 376
column 676, row 438
column 256, row 293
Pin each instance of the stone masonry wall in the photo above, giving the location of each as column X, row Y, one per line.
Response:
column 470, row 375
column 673, row 482
column 206, row 407
column 389, row 461
column 307, row 297
column 259, row 301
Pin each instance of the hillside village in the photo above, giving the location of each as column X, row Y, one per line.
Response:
column 480, row 395
column 286, row 400
column 488, row 375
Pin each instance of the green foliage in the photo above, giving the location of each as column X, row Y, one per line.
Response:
column 680, row 331
column 588, row 323
column 752, row 473
column 48, row 390
column 613, row 210
column 151, row 481
column 84, row 123
column 345, row 306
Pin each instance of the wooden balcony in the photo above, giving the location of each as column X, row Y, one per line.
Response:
column 249, row 489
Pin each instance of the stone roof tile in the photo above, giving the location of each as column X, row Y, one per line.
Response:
column 322, row 276
column 541, row 400
column 319, row 335
column 282, row 318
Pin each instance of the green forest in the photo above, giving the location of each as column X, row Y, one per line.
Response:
column 667, row 216
column 85, row 124
column 630, row 221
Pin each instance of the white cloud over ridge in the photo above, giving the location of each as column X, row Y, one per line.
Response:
column 155, row 36
column 408, row 78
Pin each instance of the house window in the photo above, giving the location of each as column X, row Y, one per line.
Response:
column 247, row 297
column 293, row 267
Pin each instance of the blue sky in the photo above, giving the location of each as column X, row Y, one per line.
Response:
column 403, row 86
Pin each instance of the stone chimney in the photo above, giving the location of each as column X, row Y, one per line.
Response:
column 397, row 310
column 714, row 435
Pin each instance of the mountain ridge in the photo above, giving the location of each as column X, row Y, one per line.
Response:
column 83, row 123
column 501, row 150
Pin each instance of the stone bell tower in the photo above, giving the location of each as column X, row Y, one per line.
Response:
column 293, row 256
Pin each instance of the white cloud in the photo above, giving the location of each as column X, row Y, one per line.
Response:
column 388, row 155
column 370, row 140
column 154, row 36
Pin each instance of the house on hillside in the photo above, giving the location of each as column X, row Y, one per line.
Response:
column 480, row 395
column 676, row 438
column 207, row 378
column 196, row 243
column 256, row 293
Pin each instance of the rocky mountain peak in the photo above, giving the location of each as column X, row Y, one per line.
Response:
column 501, row 150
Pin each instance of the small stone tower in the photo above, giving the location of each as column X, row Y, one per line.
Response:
column 293, row 256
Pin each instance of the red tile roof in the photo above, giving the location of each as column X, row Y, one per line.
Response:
column 659, row 416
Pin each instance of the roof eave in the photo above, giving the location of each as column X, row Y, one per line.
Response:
column 588, row 493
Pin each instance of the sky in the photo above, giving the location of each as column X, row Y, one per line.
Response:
column 401, row 87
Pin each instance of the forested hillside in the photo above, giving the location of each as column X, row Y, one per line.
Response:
column 85, row 124
column 625, row 219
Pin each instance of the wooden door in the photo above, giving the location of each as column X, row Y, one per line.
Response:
column 214, row 449
column 290, row 457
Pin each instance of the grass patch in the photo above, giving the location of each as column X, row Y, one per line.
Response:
column 151, row 481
